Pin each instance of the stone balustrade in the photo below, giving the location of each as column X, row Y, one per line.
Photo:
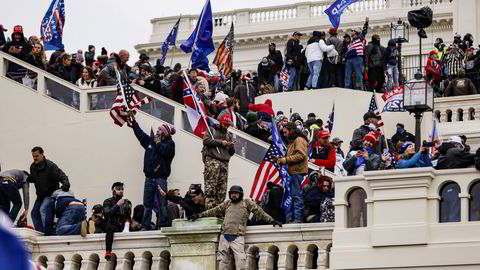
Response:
column 185, row 245
column 423, row 214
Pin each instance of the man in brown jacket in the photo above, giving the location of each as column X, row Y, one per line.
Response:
column 460, row 86
column 297, row 161
column 235, row 212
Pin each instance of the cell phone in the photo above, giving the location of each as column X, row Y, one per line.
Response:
column 426, row 144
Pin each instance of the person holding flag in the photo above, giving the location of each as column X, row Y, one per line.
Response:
column 200, row 42
column 157, row 161
column 218, row 148
column 297, row 161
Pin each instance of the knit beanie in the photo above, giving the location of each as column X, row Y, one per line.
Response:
column 167, row 130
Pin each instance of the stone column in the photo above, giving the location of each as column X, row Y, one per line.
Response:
column 464, row 197
column 124, row 264
column 394, row 4
column 466, row 15
column 193, row 245
column 54, row 265
column 141, row 264
column 265, row 258
column 89, row 265
column 71, row 265
column 106, row 265
column 302, row 259
column 322, row 259
column 303, row 11
column 243, row 17
column 283, row 257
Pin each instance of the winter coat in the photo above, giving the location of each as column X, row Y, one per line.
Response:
column 47, row 178
column 357, row 140
column 244, row 96
column 265, row 73
column 113, row 212
column 276, row 57
column 158, row 157
column 336, row 42
column 324, row 156
column 433, row 70
column 265, row 107
column 297, row 156
column 404, row 137
column 257, row 132
column 273, row 201
column 23, row 44
column 419, row 160
column 460, row 87
column 455, row 158
column 294, row 51
column 313, row 200
column 315, row 50
column 371, row 164
column 236, row 215
column 357, row 46
column 82, row 84
column 213, row 147
column 66, row 73
column 375, row 55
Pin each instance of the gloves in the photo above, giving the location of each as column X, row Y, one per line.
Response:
column 193, row 217
column 276, row 223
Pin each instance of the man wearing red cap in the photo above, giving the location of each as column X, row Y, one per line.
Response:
column 18, row 46
column 365, row 159
column 218, row 148
column 323, row 153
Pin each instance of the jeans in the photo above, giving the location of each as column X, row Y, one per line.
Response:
column 42, row 214
column 392, row 73
column 314, row 67
column 336, row 76
column 292, row 78
column 150, row 190
column 276, row 83
column 296, row 213
column 70, row 221
column 110, row 230
column 9, row 194
column 354, row 65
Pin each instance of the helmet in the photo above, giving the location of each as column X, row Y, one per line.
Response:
column 295, row 116
column 237, row 189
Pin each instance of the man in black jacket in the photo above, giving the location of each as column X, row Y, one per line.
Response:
column 293, row 58
column 276, row 56
column 453, row 155
column 117, row 211
column 47, row 178
column 402, row 135
column 159, row 154
column 371, row 121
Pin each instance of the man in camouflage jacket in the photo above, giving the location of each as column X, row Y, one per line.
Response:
column 235, row 212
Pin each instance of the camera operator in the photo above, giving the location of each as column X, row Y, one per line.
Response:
column 453, row 155
column 117, row 211
column 407, row 157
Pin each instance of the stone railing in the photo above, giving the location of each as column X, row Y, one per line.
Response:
column 457, row 109
column 381, row 214
column 186, row 245
column 421, row 3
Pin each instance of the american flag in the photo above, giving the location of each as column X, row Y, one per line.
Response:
column 224, row 57
column 331, row 116
column 126, row 100
column 268, row 171
column 374, row 108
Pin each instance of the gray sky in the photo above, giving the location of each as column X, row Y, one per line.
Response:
column 113, row 24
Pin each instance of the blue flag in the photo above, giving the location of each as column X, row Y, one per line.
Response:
column 51, row 29
column 12, row 251
column 336, row 9
column 283, row 170
column 200, row 42
column 169, row 41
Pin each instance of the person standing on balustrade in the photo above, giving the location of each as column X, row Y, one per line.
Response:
column 10, row 182
column 157, row 161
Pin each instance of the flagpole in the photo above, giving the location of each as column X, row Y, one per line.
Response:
column 119, row 79
column 195, row 100
column 173, row 52
column 383, row 129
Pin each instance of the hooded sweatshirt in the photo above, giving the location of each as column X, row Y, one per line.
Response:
column 22, row 44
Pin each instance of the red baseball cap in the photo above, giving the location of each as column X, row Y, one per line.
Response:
column 324, row 134
column 226, row 120
column 18, row 29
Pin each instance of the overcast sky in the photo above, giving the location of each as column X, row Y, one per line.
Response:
column 113, row 24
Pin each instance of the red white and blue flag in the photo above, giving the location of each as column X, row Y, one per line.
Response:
column 195, row 111
column 126, row 100
column 51, row 29
column 331, row 117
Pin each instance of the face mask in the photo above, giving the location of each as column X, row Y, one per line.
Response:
column 372, row 126
column 400, row 130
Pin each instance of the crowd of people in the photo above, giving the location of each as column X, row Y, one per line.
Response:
column 325, row 62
